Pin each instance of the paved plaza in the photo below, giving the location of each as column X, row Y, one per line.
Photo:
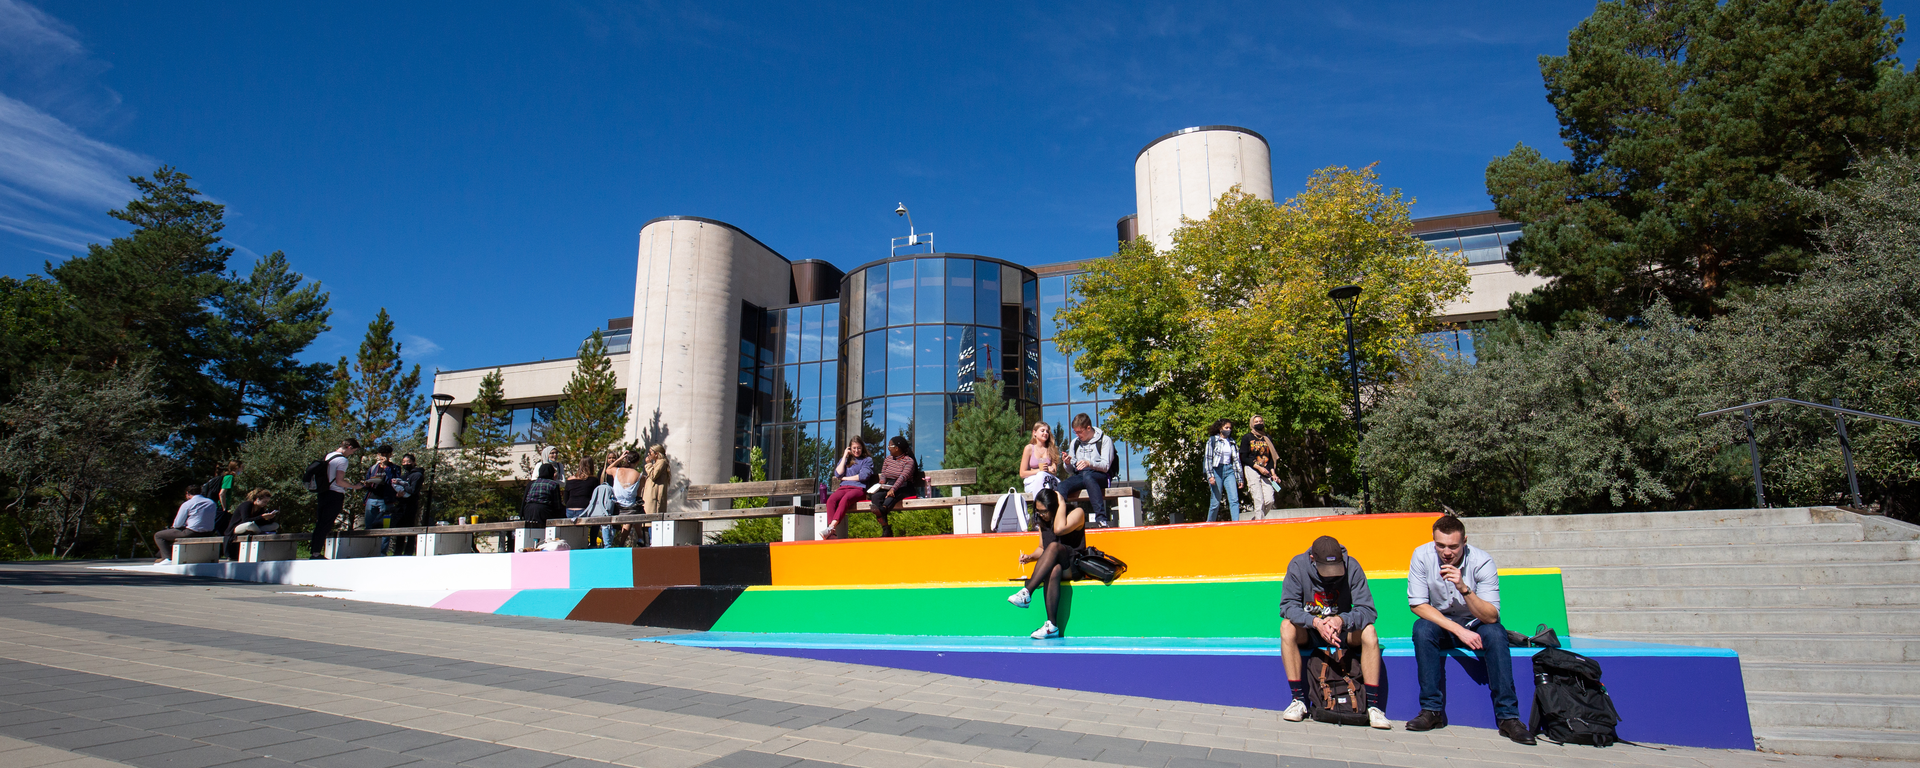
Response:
column 102, row 668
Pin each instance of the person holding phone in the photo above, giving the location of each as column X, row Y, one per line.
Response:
column 1454, row 589
column 1325, row 603
column 1063, row 534
column 855, row 471
column 899, row 477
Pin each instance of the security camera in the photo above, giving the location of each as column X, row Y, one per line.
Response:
column 900, row 211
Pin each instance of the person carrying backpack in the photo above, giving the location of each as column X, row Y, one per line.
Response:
column 328, row 478
column 1091, row 457
column 1325, row 603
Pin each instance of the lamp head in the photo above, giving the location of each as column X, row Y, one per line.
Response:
column 1344, row 292
column 441, row 401
column 900, row 211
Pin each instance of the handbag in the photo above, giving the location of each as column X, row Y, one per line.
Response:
column 1099, row 565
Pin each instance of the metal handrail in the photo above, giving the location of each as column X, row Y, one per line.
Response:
column 1839, row 422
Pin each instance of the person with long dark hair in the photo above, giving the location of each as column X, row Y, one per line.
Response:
column 1063, row 535
column 899, row 477
column 1222, row 462
column 855, row 471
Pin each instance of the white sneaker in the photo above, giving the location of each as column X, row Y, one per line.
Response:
column 164, row 562
column 1047, row 630
column 1378, row 719
column 1296, row 712
column 1021, row 598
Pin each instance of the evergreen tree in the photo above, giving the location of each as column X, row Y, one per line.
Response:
column 265, row 321
column 486, row 444
column 1690, row 122
column 376, row 402
column 592, row 413
column 988, row 434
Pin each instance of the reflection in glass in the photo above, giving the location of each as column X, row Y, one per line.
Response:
column 789, row 400
column 1053, row 374
column 986, row 301
column 1030, row 369
column 809, row 391
column 875, row 370
column 930, row 359
column 929, row 430
column 876, row 281
column 959, row 291
column 830, row 335
column 790, row 351
column 966, row 367
column 829, row 389
column 810, row 325
column 1056, row 417
column 932, row 279
column 873, row 424
column 899, row 420
column 900, row 360
column 900, row 293
column 1053, row 298
column 1076, row 382
column 987, row 354
column 1030, row 307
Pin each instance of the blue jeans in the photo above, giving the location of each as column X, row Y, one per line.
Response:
column 379, row 512
column 1430, row 645
column 1224, row 479
column 1095, row 484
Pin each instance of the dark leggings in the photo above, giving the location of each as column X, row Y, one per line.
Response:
column 1052, row 567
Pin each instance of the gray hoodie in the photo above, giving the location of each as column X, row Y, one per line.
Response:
column 1097, row 453
column 1303, row 598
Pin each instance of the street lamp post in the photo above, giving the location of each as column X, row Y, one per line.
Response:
column 440, row 404
column 1346, row 298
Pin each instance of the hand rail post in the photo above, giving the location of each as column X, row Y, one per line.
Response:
column 1753, row 453
column 1846, row 454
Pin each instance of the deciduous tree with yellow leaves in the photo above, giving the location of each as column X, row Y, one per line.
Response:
column 1234, row 320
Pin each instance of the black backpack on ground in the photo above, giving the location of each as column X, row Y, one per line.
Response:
column 1099, row 565
column 1335, row 690
column 1570, row 706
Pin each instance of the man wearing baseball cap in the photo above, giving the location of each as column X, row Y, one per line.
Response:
column 1325, row 603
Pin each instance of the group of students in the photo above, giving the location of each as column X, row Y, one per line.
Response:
column 1253, row 465
column 219, row 507
column 631, row 484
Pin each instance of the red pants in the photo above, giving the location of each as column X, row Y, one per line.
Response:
column 841, row 502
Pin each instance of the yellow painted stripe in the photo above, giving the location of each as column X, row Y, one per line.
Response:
column 1009, row 583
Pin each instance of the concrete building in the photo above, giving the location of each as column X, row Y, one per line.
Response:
column 732, row 346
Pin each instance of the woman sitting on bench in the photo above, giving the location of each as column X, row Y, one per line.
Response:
column 1063, row 535
column 899, row 477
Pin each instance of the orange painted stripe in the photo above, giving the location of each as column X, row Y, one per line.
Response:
column 1191, row 551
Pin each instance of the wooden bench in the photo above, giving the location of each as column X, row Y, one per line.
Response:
column 716, row 503
column 574, row 530
column 976, row 516
column 434, row 540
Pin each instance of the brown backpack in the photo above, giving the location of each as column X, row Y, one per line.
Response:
column 1335, row 689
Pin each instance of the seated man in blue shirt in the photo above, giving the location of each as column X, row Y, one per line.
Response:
column 195, row 518
column 1454, row 589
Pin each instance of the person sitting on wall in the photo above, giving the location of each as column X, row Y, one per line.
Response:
column 625, row 481
column 545, row 498
column 1454, row 589
column 1325, row 603
column 252, row 516
column 1090, row 457
column 1063, row 536
column 899, row 477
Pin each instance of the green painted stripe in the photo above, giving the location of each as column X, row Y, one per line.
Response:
column 1126, row 609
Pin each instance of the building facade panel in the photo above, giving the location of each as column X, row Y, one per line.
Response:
column 1182, row 174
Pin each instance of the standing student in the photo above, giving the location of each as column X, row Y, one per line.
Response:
column 1063, row 536
column 1222, row 462
column 899, row 478
column 1325, row 603
column 380, row 499
column 855, row 471
column 407, row 508
column 195, row 518
column 333, row 497
column 1089, row 456
column 1259, row 461
column 1454, row 589
column 659, row 477
column 229, row 493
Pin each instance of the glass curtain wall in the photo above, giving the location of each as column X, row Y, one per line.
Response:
column 788, row 378
column 923, row 333
column 1063, row 389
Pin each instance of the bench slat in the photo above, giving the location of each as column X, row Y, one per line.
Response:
column 605, row 520
column 945, row 477
column 797, row 487
column 739, row 514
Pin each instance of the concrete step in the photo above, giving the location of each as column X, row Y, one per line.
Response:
column 1839, row 742
column 1653, row 553
column 1822, row 596
column 1851, row 621
column 1730, row 575
column 1819, row 533
column 1819, row 647
column 1821, row 678
column 1833, row 710
column 1619, row 521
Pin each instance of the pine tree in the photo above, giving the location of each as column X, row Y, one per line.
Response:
column 485, row 446
column 988, row 434
column 377, row 403
column 265, row 320
column 592, row 413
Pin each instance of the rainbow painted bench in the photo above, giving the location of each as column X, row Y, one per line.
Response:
column 1195, row 618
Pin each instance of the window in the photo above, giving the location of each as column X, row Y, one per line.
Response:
column 960, row 301
column 876, row 285
column 930, row 300
column 900, row 360
column 900, row 293
column 810, row 333
column 986, row 309
column 929, row 359
column 1053, row 298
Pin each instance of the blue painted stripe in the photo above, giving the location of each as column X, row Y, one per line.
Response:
column 1148, row 646
column 542, row 603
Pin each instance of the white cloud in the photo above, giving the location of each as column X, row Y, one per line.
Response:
column 417, row 347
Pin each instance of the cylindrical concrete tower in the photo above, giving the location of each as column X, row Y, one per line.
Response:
column 694, row 275
column 1183, row 173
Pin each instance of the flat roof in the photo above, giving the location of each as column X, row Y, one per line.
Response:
column 1197, row 129
column 718, row 223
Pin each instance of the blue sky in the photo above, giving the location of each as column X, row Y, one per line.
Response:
column 482, row 170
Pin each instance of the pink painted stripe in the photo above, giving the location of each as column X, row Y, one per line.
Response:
column 477, row 600
column 540, row 570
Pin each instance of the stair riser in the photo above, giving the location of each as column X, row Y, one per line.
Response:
column 1842, row 747
column 1706, row 556
column 1640, row 520
column 1892, row 622
column 1762, row 678
column 1904, row 574
column 1665, row 537
column 1826, row 714
column 1743, row 597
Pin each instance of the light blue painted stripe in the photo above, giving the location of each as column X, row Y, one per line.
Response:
column 1145, row 646
column 542, row 603
column 590, row 568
